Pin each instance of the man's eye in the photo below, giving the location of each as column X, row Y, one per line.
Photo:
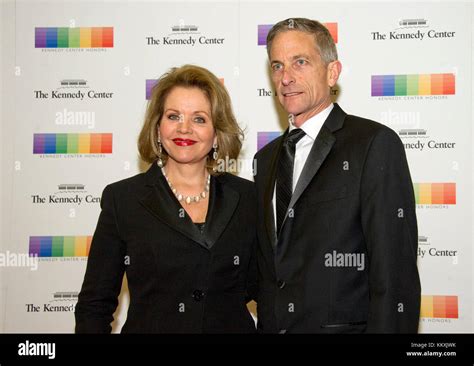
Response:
column 276, row 67
column 301, row 62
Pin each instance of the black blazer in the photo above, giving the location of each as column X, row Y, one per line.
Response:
column 354, row 197
column 180, row 281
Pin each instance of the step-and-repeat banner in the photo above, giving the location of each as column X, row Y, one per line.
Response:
column 76, row 77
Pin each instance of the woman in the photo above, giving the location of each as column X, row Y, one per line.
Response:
column 183, row 232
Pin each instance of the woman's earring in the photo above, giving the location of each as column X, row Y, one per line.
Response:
column 160, row 150
column 214, row 154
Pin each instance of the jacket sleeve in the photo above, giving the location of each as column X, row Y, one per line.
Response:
column 388, row 215
column 98, row 298
column 252, row 281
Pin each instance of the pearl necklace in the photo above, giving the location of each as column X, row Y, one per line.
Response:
column 189, row 199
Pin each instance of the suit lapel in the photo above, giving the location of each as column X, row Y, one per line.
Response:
column 161, row 202
column 269, row 213
column 319, row 152
column 222, row 204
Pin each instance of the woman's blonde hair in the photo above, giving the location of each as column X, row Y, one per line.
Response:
column 229, row 134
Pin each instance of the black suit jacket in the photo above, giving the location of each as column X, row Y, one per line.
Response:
column 180, row 281
column 354, row 198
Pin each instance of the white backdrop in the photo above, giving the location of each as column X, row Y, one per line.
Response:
column 50, row 193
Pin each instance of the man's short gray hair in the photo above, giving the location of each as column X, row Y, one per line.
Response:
column 323, row 40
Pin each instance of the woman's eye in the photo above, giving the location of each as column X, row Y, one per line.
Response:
column 174, row 117
column 199, row 120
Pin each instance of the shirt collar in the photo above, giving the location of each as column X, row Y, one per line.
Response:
column 313, row 125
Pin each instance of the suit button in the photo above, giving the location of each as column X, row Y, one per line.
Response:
column 281, row 284
column 198, row 295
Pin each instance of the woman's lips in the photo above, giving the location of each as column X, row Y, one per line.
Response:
column 184, row 142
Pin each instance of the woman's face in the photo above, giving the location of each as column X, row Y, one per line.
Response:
column 186, row 128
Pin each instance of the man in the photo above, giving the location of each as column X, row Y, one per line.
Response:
column 338, row 233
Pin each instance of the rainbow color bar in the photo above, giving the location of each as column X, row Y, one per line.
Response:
column 435, row 193
column 425, row 84
column 263, row 30
column 60, row 246
column 72, row 143
column 264, row 138
column 83, row 37
column 439, row 307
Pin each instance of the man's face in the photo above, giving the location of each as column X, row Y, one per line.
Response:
column 301, row 78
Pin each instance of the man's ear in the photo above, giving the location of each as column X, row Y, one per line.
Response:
column 334, row 70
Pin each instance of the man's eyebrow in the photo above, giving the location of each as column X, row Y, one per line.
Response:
column 295, row 57
column 300, row 56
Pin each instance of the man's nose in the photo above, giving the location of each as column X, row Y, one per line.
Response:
column 287, row 77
